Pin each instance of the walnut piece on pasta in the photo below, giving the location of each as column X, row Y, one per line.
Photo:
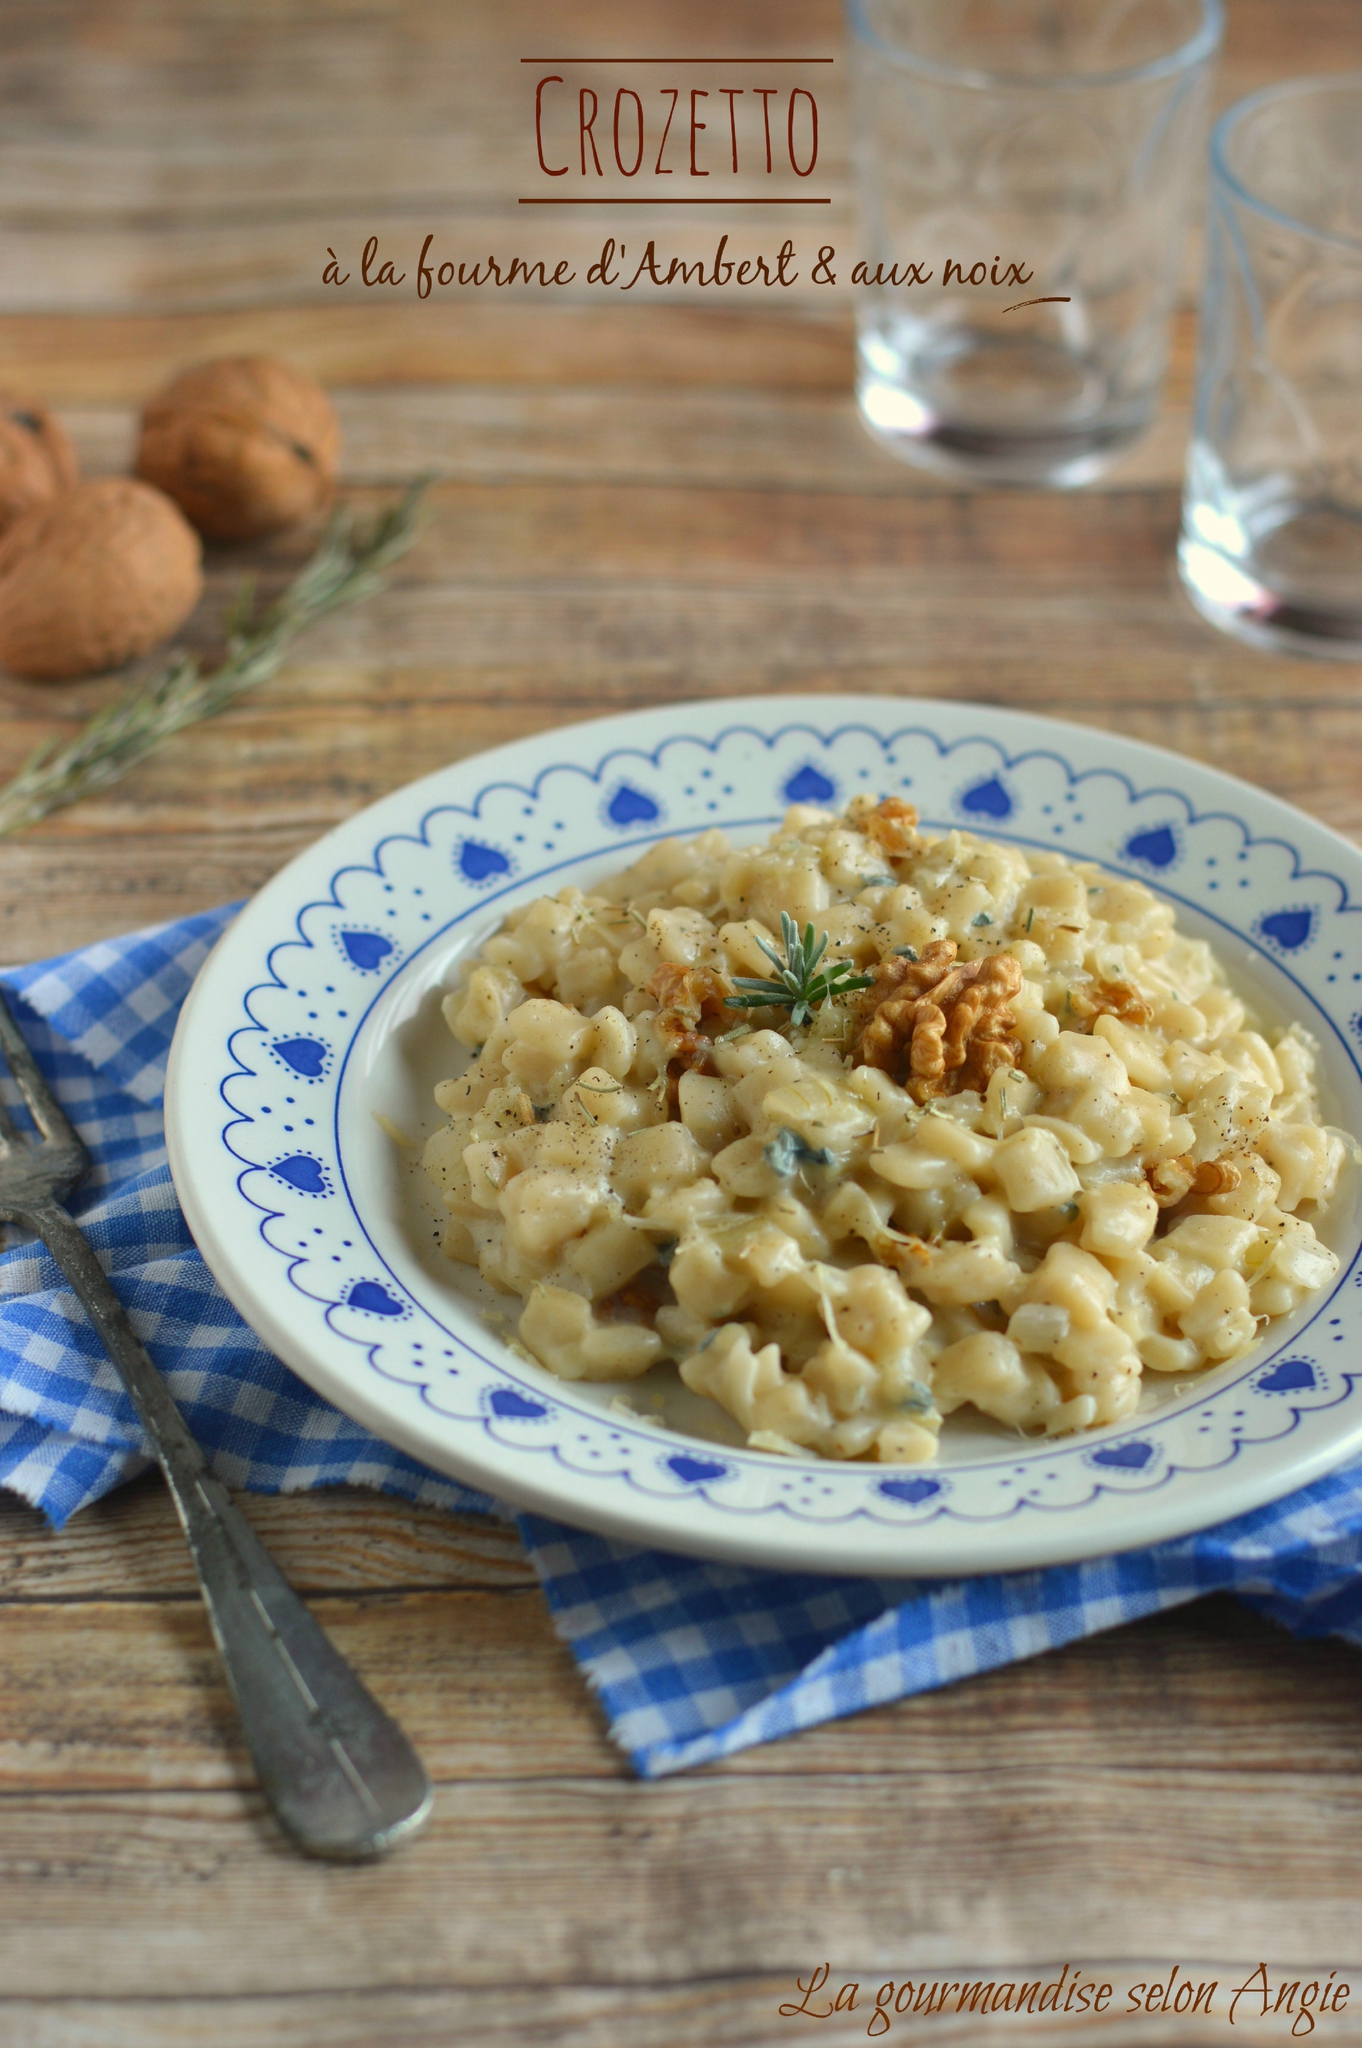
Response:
column 939, row 1024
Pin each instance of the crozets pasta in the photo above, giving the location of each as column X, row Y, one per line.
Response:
column 1016, row 1144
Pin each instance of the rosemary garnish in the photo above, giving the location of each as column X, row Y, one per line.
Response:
column 798, row 984
column 346, row 567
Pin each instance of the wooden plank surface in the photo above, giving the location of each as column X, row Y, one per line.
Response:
column 633, row 504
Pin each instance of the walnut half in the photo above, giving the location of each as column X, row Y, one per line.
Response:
column 939, row 1024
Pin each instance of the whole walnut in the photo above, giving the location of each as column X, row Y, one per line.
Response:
column 36, row 459
column 243, row 444
column 102, row 574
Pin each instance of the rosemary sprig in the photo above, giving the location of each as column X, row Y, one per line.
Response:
column 798, row 985
column 347, row 566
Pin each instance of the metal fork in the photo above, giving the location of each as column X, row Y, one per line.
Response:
column 342, row 1778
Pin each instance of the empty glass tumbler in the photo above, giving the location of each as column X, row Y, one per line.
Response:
column 1012, row 151
column 1271, row 543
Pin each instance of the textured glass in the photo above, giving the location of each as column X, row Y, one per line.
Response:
column 1060, row 137
column 1272, row 520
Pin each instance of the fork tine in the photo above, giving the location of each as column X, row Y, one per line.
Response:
column 43, row 1106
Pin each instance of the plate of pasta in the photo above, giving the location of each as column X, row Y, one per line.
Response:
column 842, row 1134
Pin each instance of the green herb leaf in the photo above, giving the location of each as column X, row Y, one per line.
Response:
column 797, row 985
column 346, row 567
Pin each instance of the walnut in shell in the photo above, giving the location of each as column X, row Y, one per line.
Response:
column 36, row 459
column 99, row 576
column 243, row 444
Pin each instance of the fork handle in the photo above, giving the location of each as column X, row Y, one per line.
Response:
column 340, row 1774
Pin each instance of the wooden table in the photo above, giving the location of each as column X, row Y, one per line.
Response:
column 635, row 503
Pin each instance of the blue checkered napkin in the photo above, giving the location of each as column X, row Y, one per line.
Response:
column 694, row 1661
column 100, row 1023
column 691, row 1661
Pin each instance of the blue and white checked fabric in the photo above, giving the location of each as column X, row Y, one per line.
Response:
column 100, row 1023
column 690, row 1661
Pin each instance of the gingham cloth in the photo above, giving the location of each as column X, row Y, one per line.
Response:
column 690, row 1661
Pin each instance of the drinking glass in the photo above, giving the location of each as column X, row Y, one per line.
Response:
column 1064, row 138
column 1271, row 544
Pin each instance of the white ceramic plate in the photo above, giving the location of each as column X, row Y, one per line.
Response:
column 320, row 1006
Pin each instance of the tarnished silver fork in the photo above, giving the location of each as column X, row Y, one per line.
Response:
column 341, row 1776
